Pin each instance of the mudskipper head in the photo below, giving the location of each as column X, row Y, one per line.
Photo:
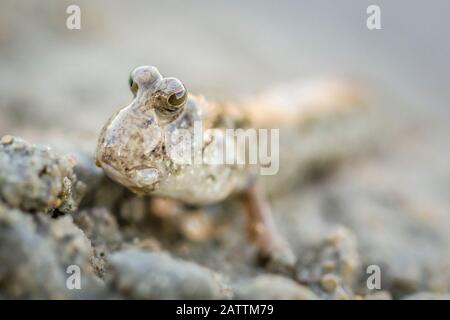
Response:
column 132, row 145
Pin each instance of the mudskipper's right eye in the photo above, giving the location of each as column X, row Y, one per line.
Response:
column 177, row 99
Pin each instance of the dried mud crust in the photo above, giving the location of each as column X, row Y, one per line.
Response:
column 33, row 179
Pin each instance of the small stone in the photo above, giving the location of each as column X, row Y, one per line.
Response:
column 7, row 139
column 339, row 235
column 329, row 282
column 197, row 227
column 164, row 207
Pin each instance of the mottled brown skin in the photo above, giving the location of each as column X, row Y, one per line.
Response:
column 132, row 151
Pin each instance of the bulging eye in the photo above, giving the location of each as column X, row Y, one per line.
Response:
column 177, row 99
column 130, row 81
column 169, row 99
column 133, row 85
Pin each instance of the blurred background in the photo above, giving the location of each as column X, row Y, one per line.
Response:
column 52, row 76
column 397, row 202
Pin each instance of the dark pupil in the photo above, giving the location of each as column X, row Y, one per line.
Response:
column 130, row 81
column 177, row 98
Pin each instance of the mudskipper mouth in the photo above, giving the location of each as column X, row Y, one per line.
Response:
column 140, row 178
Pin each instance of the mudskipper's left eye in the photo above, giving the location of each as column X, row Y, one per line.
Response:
column 130, row 81
column 133, row 85
column 178, row 98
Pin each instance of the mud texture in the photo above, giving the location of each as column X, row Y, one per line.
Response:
column 33, row 179
column 132, row 247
